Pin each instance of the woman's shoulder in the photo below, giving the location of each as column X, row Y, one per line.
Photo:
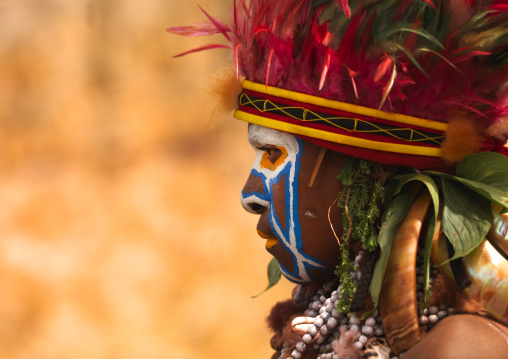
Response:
column 463, row 336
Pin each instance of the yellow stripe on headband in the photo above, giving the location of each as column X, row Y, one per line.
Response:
column 335, row 137
column 342, row 106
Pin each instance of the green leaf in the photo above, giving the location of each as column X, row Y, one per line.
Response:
column 491, row 193
column 273, row 275
column 426, row 257
column 440, row 56
column 422, row 33
column 393, row 216
column 490, row 168
column 466, row 217
column 395, row 212
column 423, row 178
column 412, row 58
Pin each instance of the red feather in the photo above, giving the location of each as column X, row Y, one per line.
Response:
column 383, row 68
column 352, row 75
column 268, row 68
column 286, row 43
column 237, row 46
column 430, row 3
column 469, row 55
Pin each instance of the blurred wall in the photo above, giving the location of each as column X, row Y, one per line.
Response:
column 121, row 230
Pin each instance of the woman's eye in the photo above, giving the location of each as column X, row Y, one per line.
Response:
column 272, row 157
column 272, row 153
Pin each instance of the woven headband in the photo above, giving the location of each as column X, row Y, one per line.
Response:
column 358, row 131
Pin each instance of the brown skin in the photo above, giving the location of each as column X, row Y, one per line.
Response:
column 318, row 238
column 461, row 336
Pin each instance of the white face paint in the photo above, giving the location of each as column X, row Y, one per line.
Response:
column 287, row 166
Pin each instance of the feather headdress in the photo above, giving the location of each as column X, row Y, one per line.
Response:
column 442, row 65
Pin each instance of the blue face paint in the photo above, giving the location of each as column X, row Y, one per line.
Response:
column 284, row 175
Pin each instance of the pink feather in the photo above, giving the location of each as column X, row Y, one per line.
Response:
column 344, row 5
column 285, row 43
column 203, row 48
column 221, row 26
column 199, row 29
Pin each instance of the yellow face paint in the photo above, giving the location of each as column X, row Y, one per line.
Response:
column 266, row 163
column 270, row 241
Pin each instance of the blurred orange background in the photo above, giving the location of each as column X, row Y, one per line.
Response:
column 122, row 234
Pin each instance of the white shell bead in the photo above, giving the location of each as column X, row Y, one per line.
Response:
column 441, row 314
column 334, row 297
column 324, row 330
column 315, row 305
column 326, row 316
column 358, row 345
column 433, row 318
column 370, row 321
column 367, row 330
column 354, row 319
column 332, row 323
column 300, row 346
column 313, row 313
column 312, row 330
column 433, row 309
column 355, row 327
column 296, row 354
column 307, row 338
column 335, row 313
column 424, row 320
column 318, row 322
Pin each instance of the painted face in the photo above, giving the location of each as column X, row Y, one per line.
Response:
column 294, row 218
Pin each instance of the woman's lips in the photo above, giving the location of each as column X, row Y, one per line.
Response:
column 270, row 241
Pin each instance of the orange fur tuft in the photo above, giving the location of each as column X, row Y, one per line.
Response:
column 446, row 292
column 223, row 89
column 499, row 130
column 281, row 313
column 462, row 138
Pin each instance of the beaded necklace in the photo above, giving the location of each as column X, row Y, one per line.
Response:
column 326, row 329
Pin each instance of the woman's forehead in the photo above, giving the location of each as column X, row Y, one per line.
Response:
column 260, row 135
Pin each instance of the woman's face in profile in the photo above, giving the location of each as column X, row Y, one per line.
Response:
column 295, row 219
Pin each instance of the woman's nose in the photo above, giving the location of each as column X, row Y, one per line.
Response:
column 254, row 198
